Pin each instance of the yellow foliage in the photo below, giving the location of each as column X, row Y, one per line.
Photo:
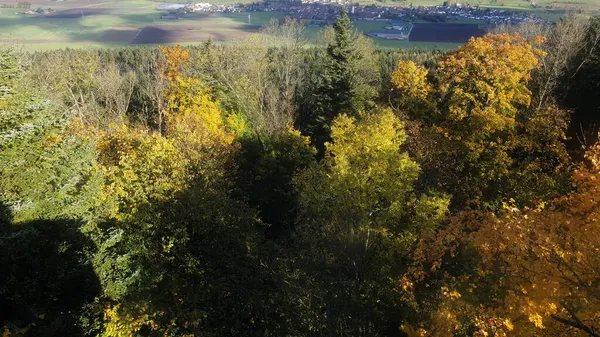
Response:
column 485, row 81
column 142, row 167
column 473, row 125
column 139, row 168
column 120, row 324
column 365, row 183
column 412, row 332
column 536, row 319
column 236, row 124
column 175, row 59
column 194, row 118
column 411, row 82
column 366, row 166
column 192, row 110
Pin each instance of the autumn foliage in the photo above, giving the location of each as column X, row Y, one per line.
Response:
column 484, row 83
column 474, row 112
column 535, row 271
column 264, row 189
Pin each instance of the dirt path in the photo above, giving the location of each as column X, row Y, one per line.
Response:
column 96, row 5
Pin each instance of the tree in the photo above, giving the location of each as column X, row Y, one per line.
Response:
column 582, row 84
column 413, row 88
column 258, row 79
column 47, row 169
column 358, row 218
column 562, row 44
column 265, row 174
column 176, row 252
column 475, row 114
column 337, row 84
column 286, row 41
column 9, row 71
column 48, row 188
column 534, row 272
column 47, row 281
column 341, row 88
column 484, row 84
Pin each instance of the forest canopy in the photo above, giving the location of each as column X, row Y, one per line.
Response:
column 271, row 188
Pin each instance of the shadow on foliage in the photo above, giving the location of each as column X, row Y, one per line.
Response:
column 265, row 179
column 46, row 277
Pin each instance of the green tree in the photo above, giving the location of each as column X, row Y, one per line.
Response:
column 47, row 169
column 342, row 87
column 176, row 253
column 264, row 177
column 47, row 280
column 48, row 189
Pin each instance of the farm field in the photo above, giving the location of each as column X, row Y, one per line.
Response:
column 113, row 23
column 86, row 23
column 120, row 23
column 440, row 32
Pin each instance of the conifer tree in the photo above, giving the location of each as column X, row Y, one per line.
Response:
column 335, row 92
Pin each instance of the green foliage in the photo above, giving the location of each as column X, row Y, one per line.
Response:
column 344, row 86
column 9, row 71
column 165, row 192
column 47, row 170
column 47, row 279
column 264, row 177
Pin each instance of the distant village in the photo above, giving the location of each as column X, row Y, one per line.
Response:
column 325, row 11
column 322, row 12
column 26, row 6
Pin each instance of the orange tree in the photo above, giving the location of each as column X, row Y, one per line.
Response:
column 529, row 273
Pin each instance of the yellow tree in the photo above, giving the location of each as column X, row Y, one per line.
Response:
column 413, row 87
column 484, row 83
column 358, row 217
column 365, row 182
column 175, row 59
column 535, row 271
column 168, row 203
column 139, row 164
column 480, row 136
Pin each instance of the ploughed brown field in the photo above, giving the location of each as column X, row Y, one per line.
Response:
column 444, row 32
column 77, row 13
column 171, row 34
column 60, row 4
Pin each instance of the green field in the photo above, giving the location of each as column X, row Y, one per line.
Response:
column 129, row 17
column 43, row 33
column 131, row 13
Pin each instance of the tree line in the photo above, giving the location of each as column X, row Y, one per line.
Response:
column 269, row 188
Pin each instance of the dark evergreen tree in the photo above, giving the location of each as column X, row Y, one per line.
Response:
column 335, row 92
